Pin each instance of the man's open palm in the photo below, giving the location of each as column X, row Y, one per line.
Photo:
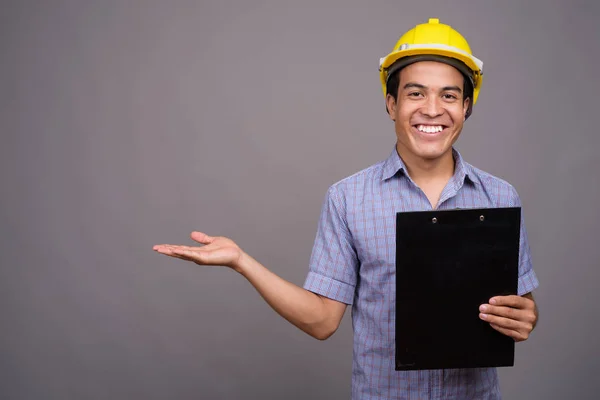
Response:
column 215, row 250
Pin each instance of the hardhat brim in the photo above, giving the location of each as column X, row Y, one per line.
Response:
column 407, row 50
column 405, row 61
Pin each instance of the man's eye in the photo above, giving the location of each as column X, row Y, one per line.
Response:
column 414, row 94
column 450, row 96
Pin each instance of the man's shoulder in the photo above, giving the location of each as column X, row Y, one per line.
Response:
column 359, row 179
column 486, row 178
column 493, row 184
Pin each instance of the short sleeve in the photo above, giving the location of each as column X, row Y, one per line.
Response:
column 333, row 264
column 527, row 278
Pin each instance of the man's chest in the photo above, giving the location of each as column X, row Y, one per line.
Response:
column 371, row 219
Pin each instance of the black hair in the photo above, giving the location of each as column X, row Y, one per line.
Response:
column 393, row 84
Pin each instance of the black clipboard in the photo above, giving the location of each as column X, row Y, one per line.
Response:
column 448, row 263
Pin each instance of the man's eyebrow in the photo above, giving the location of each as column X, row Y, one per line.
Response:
column 450, row 88
column 414, row 85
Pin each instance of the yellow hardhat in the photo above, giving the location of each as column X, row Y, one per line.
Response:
column 433, row 42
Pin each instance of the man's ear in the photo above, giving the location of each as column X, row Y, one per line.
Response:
column 391, row 105
column 466, row 105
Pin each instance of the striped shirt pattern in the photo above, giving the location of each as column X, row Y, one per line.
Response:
column 353, row 261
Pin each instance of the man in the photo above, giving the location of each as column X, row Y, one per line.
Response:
column 431, row 82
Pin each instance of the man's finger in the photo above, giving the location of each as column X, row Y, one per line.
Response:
column 174, row 247
column 508, row 332
column 182, row 252
column 165, row 246
column 170, row 253
column 164, row 249
column 191, row 248
column 511, row 301
column 197, row 256
column 506, row 323
column 189, row 254
column 508, row 312
column 178, row 256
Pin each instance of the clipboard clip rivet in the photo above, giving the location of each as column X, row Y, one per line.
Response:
column 434, row 220
column 481, row 218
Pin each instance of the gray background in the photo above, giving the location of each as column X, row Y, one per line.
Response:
column 130, row 123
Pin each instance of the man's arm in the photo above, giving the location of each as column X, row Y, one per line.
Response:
column 314, row 314
column 514, row 316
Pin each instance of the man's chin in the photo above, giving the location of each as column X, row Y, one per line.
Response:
column 426, row 151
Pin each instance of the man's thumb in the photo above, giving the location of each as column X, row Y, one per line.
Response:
column 201, row 237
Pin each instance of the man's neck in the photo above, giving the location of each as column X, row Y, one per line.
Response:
column 423, row 171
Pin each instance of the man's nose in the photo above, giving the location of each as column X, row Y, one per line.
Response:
column 432, row 108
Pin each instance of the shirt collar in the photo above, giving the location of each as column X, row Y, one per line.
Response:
column 394, row 164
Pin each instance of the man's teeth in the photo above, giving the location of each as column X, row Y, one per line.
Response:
column 430, row 128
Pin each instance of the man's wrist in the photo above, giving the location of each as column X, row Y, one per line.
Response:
column 242, row 264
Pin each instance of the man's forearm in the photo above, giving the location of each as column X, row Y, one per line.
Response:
column 306, row 310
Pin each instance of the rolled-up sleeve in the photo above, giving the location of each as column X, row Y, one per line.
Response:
column 333, row 263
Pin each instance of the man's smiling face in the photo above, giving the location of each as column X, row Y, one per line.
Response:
column 429, row 110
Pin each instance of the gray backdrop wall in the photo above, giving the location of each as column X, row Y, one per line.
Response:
column 130, row 123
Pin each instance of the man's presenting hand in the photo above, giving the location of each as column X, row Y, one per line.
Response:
column 316, row 315
column 216, row 251
column 514, row 316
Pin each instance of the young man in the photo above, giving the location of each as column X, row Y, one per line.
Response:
column 431, row 82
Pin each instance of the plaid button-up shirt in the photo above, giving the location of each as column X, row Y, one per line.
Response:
column 353, row 261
